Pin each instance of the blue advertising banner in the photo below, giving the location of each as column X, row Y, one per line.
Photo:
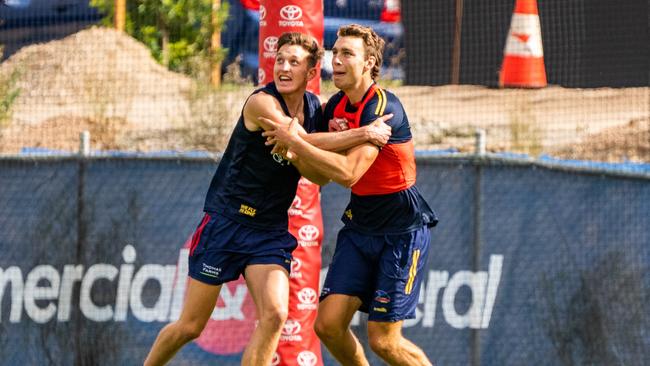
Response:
column 528, row 265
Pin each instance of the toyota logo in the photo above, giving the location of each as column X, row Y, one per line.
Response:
column 306, row 358
column 271, row 44
column 291, row 327
column 291, row 12
column 295, row 265
column 262, row 12
column 307, row 295
column 308, row 233
column 275, row 361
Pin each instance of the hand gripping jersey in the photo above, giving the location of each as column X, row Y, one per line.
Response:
column 252, row 186
column 385, row 200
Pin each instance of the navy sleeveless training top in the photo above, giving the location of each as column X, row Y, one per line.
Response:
column 252, row 186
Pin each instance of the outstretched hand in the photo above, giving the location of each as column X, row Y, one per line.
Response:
column 378, row 131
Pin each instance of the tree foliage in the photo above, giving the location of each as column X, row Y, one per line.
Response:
column 178, row 32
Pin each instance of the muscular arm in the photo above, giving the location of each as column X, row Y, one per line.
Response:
column 343, row 169
column 266, row 106
column 376, row 133
column 263, row 105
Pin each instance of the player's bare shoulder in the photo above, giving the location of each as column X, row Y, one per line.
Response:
column 259, row 105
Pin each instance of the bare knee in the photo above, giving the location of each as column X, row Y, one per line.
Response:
column 188, row 331
column 382, row 344
column 273, row 318
column 327, row 330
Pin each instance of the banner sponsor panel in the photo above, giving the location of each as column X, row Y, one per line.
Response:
column 89, row 276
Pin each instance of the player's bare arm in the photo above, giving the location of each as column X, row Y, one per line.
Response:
column 343, row 169
column 263, row 105
column 376, row 133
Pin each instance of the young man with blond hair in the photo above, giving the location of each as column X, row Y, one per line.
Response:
column 383, row 247
column 245, row 227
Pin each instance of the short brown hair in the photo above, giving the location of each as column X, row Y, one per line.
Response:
column 307, row 42
column 374, row 45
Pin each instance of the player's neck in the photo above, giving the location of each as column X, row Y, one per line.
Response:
column 294, row 102
column 295, row 105
column 356, row 94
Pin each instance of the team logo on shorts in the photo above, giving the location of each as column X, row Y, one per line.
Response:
column 325, row 291
column 382, row 297
column 210, row 271
column 280, row 160
column 306, row 358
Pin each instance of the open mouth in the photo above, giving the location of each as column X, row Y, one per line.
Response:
column 284, row 78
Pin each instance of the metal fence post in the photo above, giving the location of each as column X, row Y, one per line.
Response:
column 84, row 152
column 476, row 250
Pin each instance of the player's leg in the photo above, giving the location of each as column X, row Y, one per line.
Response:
column 332, row 326
column 398, row 288
column 268, row 285
column 346, row 290
column 200, row 300
column 387, row 342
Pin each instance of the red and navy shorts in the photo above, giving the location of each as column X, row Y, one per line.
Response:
column 222, row 248
column 384, row 271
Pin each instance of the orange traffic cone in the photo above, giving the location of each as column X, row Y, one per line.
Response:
column 523, row 61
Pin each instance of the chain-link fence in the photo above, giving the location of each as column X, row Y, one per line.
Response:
column 145, row 89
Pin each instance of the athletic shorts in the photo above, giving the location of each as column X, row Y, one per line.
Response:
column 222, row 248
column 384, row 271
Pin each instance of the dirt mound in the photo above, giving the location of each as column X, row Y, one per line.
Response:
column 630, row 142
column 105, row 81
column 97, row 72
column 531, row 121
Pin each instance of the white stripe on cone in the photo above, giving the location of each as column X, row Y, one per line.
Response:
column 525, row 36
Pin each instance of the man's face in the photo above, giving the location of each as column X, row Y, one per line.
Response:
column 291, row 69
column 349, row 62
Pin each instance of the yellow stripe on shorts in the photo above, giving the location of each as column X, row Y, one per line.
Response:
column 412, row 272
